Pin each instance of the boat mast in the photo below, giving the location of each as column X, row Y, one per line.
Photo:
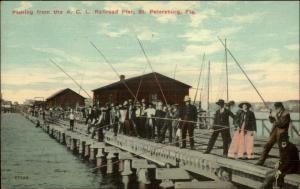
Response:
column 227, row 94
column 203, row 58
column 175, row 71
column 208, row 74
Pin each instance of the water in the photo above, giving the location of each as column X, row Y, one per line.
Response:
column 31, row 159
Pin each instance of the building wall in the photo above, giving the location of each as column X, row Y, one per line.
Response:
column 174, row 93
column 64, row 100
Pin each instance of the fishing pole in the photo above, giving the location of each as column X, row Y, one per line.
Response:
column 149, row 63
column 140, row 83
column 70, row 77
column 118, row 75
column 244, row 73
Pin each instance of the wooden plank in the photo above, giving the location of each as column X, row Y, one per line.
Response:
column 292, row 179
column 141, row 163
column 204, row 185
column 171, row 173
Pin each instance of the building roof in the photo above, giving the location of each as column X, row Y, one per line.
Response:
column 61, row 92
column 119, row 83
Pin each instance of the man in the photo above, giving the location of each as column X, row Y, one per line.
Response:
column 167, row 125
column 288, row 164
column 201, row 117
column 116, row 120
column 89, row 114
column 142, row 119
column 280, row 125
column 221, row 125
column 72, row 118
column 159, row 113
column 188, row 115
column 92, row 116
column 124, row 118
column 176, row 123
column 138, row 113
column 132, row 119
column 150, row 113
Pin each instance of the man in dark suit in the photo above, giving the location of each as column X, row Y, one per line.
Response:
column 288, row 163
column 280, row 125
column 221, row 125
column 188, row 115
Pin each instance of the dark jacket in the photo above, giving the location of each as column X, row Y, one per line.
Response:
column 289, row 159
column 283, row 120
column 161, row 114
column 188, row 112
column 221, row 120
column 249, row 118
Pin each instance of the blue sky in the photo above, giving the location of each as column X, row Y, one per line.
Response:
column 263, row 36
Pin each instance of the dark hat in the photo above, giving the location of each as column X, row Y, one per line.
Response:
column 230, row 103
column 247, row 103
column 150, row 103
column 278, row 105
column 220, row 102
column 284, row 137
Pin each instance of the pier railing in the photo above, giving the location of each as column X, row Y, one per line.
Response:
column 264, row 127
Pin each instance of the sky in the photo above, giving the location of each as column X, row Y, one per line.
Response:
column 262, row 36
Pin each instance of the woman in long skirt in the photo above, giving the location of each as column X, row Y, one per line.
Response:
column 242, row 140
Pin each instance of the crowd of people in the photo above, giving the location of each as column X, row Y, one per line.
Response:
column 154, row 121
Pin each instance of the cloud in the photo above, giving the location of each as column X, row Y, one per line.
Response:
column 198, row 18
column 293, row 47
column 165, row 18
column 106, row 29
column 246, row 19
column 146, row 33
column 61, row 56
column 23, row 5
column 200, row 49
column 206, row 35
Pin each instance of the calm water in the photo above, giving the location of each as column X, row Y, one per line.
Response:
column 31, row 159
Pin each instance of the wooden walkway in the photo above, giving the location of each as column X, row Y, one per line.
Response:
column 213, row 166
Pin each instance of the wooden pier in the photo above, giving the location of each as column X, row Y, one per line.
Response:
column 172, row 165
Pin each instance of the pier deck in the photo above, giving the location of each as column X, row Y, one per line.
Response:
column 213, row 166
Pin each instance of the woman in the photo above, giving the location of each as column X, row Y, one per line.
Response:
column 242, row 141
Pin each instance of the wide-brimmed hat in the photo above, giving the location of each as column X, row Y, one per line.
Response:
column 220, row 102
column 247, row 103
column 186, row 98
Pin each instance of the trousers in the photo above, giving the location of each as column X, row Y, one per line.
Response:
column 225, row 137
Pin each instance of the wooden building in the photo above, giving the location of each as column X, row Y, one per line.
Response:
column 65, row 98
column 117, row 92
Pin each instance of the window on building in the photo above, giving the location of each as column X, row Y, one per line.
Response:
column 152, row 97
